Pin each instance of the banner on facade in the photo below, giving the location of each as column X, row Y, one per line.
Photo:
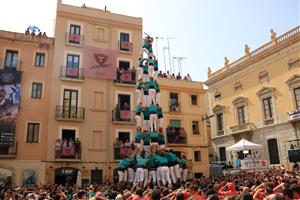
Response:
column 99, row 63
column 9, row 105
column 254, row 164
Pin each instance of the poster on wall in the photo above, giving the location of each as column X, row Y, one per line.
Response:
column 9, row 105
column 29, row 177
column 99, row 63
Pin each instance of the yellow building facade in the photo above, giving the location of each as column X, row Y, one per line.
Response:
column 26, row 61
column 254, row 98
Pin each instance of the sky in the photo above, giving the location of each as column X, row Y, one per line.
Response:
column 205, row 31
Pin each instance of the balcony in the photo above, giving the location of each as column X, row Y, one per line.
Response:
column 241, row 128
column 176, row 136
column 69, row 113
column 120, row 151
column 67, row 152
column 126, row 77
column 9, row 151
column 74, row 39
column 14, row 65
column 123, row 116
column 125, row 46
column 294, row 115
column 174, row 107
column 71, row 73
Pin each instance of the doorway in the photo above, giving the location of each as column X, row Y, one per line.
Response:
column 273, row 151
column 65, row 175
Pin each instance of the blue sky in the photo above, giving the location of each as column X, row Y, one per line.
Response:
column 205, row 31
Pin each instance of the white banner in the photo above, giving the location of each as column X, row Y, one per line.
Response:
column 254, row 164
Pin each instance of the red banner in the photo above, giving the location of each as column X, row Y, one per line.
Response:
column 125, row 114
column 74, row 37
column 99, row 63
column 126, row 45
column 68, row 151
column 126, row 77
column 72, row 71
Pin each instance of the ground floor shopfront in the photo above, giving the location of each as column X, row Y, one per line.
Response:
column 274, row 138
column 20, row 172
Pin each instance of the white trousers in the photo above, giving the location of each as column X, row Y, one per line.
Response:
column 138, row 120
column 138, row 96
column 165, row 175
column 130, row 175
column 146, row 100
column 184, row 174
column 151, row 71
column 155, row 75
column 139, row 71
column 153, row 122
column 145, row 77
column 152, row 176
column 177, row 172
column 158, row 177
column 152, row 93
column 157, row 98
column 172, row 174
column 160, row 122
column 146, row 125
column 142, row 175
column 121, row 176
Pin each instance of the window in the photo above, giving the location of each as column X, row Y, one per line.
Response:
column 33, row 132
column 220, row 122
column 72, row 61
column 241, row 115
column 195, row 126
column 39, row 59
column 125, row 65
column 36, row 91
column 268, row 108
column 218, row 96
column 297, row 97
column 124, row 37
column 11, row 59
column 197, row 156
column 70, row 103
column 74, row 36
column 198, row 175
column 125, row 45
column 124, row 101
column 194, row 99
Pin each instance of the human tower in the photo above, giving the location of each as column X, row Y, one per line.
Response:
column 150, row 162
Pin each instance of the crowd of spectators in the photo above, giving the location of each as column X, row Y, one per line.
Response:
column 68, row 148
column 126, row 75
column 176, row 135
column 271, row 184
column 173, row 76
column 123, row 148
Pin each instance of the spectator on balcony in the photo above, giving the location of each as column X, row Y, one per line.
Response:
column 71, row 142
column 77, row 144
column 118, row 75
column 117, row 112
column 174, row 135
column 160, row 74
column 27, row 32
column 185, row 78
column 189, row 78
column 133, row 72
column 57, row 148
column 125, row 106
column 173, row 76
column 65, row 142
column 121, row 144
column 178, row 77
column 168, row 75
column 168, row 131
column 127, row 144
column 182, row 135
